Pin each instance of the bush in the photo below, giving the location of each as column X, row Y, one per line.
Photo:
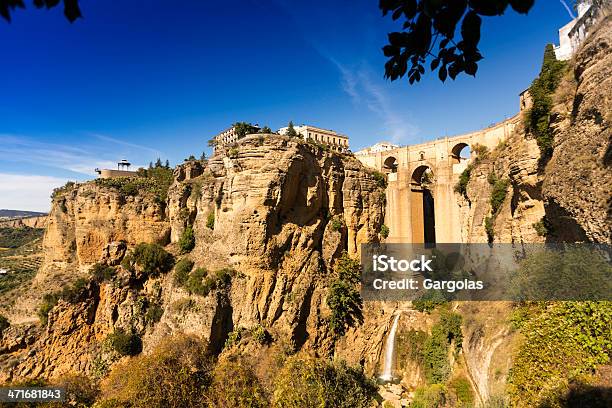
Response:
column 181, row 271
column 154, row 181
column 72, row 294
column 384, row 231
column 541, row 91
column 337, row 223
column 126, row 344
column 4, row 324
column 235, row 384
column 151, row 259
column 463, row 390
column 233, row 153
column 102, row 272
column 481, row 151
column 154, row 313
column 187, row 241
column 428, row 301
column 233, row 337
column 210, row 220
column 343, row 299
column 380, row 178
column 498, row 192
column 432, row 396
column 542, row 227
column 488, row 224
column 464, row 179
column 310, row 382
column 177, row 373
column 260, row 334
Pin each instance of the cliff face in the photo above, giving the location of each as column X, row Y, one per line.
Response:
column 277, row 210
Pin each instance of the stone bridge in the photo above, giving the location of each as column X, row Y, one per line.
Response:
column 422, row 206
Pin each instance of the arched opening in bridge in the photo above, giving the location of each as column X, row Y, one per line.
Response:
column 390, row 165
column 460, row 152
column 422, row 206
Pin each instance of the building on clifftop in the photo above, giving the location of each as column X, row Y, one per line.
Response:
column 336, row 141
column 123, row 170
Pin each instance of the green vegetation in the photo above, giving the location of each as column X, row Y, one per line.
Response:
column 233, row 153
column 126, row 344
column 563, row 343
column 182, row 364
column 233, row 337
column 71, row 294
column 61, row 190
column 542, row 227
column 380, row 178
column 480, row 152
column 154, row 181
column 463, row 390
column 541, row 90
column 102, row 272
column 343, row 298
column 151, row 260
column 235, row 384
column 181, row 271
column 260, row 334
column 464, row 179
column 430, row 396
column 291, row 130
column 499, row 190
column 210, row 220
column 431, row 351
column 199, row 281
column 187, row 241
column 488, row 224
column 428, row 301
column 266, row 130
column 337, row 223
column 4, row 324
column 310, row 382
column 384, row 231
column 243, row 128
column 16, row 237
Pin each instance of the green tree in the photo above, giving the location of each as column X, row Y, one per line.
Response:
column 243, row 128
column 235, row 384
column 148, row 258
column 429, row 29
column 265, row 129
column 291, row 130
column 541, row 91
column 187, row 241
column 203, row 156
column 158, row 163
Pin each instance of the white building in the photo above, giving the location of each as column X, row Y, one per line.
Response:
column 227, row 137
column 334, row 140
column 377, row 148
column 572, row 35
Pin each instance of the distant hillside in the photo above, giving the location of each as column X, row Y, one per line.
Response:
column 4, row 213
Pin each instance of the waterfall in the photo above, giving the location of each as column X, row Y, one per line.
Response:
column 389, row 348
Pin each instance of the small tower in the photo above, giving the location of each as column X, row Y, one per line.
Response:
column 124, row 165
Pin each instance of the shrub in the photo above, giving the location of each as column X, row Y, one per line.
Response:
column 347, row 269
column 177, row 373
column 428, row 301
column 488, row 224
column 4, row 324
column 380, row 178
column 181, row 271
column 384, row 231
column 233, row 337
column 410, row 346
column 101, row 272
column 154, row 313
column 151, row 259
column 260, row 334
column 430, row 396
column 464, row 179
column 542, row 227
column 210, row 220
column 233, row 153
column 463, row 390
column 541, row 91
column 126, row 344
column 481, row 151
column 346, row 306
column 235, row 384
column 337, row 223
column 498, row 192
column 435, row 356
column 187, row 241
column 72, row 294
column 154, row 181
column 310, row 382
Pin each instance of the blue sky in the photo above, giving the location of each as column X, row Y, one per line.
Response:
column 146, row 79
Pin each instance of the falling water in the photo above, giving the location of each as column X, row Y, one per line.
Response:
column 389, row 348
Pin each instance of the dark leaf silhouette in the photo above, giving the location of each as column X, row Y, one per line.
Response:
column 71, row 7
column 427, row 23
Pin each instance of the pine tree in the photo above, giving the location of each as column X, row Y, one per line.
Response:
column 158, row 163
column 167, row 164
column 291, row 130
column 203, row 156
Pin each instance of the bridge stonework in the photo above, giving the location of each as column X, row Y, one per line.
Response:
column 421, row 204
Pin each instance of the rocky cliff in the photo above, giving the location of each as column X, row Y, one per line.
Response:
column 276, row 210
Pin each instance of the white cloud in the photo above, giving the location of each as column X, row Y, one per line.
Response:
column 27, row 192
column 364, row 89
column 81, row 159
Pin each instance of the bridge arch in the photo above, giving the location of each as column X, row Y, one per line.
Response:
column 458, row 152
column 422, row 205
column 390, row 164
